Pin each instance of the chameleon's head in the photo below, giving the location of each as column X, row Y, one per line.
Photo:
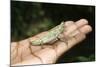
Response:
column 62, row 24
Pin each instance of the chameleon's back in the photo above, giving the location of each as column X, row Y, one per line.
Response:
column 51, row 35
column 58, row 29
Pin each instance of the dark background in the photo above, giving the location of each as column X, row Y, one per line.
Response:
column 31, row 18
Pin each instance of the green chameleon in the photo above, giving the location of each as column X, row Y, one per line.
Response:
column 52, row 34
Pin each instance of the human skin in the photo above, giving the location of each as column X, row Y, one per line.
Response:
column 23, row 53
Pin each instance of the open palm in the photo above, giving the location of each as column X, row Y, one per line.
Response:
column 23, row 53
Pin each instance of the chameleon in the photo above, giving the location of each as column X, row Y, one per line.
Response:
column 52, row 34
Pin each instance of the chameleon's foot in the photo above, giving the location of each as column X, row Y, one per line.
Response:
column 42, row 47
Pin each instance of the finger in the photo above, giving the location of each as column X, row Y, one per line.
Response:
column 73, row 26
column 62, row 47
column 70, row 29
column 86, row 29
column 81, row 22
column 68, row 23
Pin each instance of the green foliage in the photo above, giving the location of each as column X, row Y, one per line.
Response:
column 27, row 20
column 34, row 29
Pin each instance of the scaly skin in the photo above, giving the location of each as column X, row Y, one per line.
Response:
column 51, row 35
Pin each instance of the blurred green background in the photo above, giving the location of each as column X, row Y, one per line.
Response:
column 31, row 18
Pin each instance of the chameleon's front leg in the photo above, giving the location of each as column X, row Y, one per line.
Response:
column 41, row 44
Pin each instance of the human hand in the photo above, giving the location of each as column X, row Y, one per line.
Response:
column 23, row 53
